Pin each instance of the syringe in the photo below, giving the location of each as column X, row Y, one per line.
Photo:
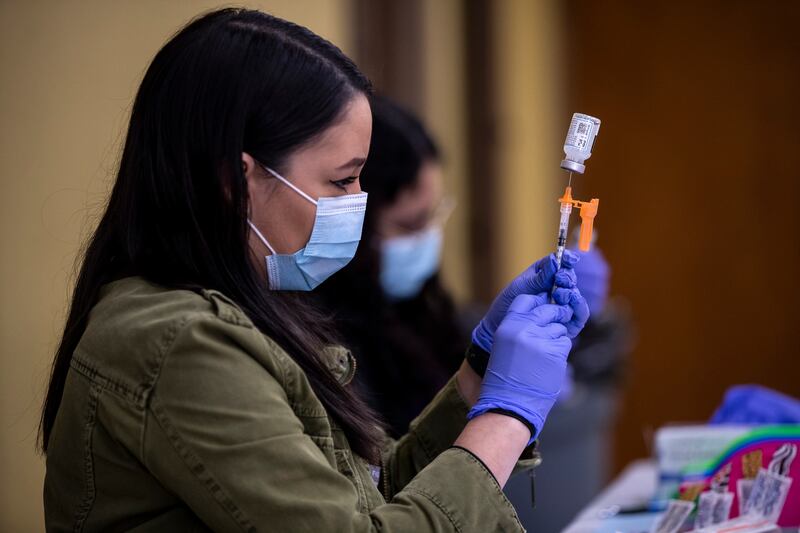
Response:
column 577, row 148
column 563, row 231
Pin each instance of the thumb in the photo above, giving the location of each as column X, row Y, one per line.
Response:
column 546, row 314
column 569, row 259
column 545, row 277
column 579, row 308
column 525, row 303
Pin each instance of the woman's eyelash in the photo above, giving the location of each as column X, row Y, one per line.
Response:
column 342, row 183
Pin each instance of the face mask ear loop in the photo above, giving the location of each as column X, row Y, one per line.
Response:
column 260, row 236
column 290, row 185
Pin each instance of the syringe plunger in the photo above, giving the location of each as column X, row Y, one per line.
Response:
column 563, row 231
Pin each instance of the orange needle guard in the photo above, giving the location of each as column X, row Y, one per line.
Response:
column 588, row 212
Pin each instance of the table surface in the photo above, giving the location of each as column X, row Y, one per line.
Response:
column 632, row 488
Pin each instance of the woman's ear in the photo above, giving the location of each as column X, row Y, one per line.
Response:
column 248, row 167
column 249, row 173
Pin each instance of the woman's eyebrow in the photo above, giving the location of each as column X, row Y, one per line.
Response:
column 355, row 162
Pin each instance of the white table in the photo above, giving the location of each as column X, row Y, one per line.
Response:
column 634, row 487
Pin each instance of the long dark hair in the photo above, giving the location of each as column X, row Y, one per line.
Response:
column 231, row 81
column 406, row 350
column 400, row 146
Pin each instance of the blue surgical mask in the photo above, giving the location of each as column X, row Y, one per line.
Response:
column 333, row 242
column 409, row 261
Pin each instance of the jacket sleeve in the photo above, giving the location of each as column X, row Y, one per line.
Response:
column 220, row 433
column 432, row 432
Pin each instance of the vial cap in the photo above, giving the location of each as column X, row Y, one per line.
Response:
column 572, row 166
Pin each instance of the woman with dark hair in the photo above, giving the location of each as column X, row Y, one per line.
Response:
column 195, row 386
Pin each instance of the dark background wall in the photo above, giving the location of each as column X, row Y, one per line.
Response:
column 696, row 167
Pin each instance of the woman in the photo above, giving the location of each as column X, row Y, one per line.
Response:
column 195, row 388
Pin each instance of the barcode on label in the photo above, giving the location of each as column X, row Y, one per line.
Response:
column 583, row 128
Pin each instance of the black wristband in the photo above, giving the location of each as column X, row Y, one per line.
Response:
column 512, row 414
column 477, row 358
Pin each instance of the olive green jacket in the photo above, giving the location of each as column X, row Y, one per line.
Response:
column 179, row 415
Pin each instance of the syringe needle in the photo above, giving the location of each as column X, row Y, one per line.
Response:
column 569, row 184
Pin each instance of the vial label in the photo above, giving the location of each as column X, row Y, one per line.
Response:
column 580, row 134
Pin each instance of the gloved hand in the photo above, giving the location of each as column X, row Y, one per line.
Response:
column 752, row 404
column 594, row 277
column 573, row 298
column 539, row 277
column 529, row 357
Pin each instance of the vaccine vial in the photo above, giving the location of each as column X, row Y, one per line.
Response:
column 580, row 140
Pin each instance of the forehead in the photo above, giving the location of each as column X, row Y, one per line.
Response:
column 421, row 197
column 348, row 138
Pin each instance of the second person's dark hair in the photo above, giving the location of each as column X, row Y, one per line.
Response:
column 231, row 81
column 400, row 146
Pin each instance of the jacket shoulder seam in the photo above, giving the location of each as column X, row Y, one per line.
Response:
column 226, row 309
column 286, row 377
column 115, row 386
column 168, row 343
column 136, row 394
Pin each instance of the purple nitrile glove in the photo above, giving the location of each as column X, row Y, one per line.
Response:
column 753, row 404
column 573, row 298
column 529, row 357
column 539, row 277
column 594, row 277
